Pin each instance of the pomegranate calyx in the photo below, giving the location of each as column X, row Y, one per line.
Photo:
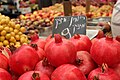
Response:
column 104, row 67
column 45, row 61
column 76, row 36
column 96, row 78
column 58, row 38
column 79, row 61
column 34, row 46
column 35, row 76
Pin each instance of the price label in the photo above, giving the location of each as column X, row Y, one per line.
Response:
column 69, row 25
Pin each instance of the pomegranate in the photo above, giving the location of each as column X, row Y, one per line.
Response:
column 33, row 75
column 106, row 50
column 116, row 68
column 36, row 40
column 44, row 67
column 60, row 51
column 23, row 59
column 81, row 42
column 103, row 73
column 49, row 39
column 40, row 52
column 85, row 62
column 4, row 75
column 4, row 63
column 67, row 72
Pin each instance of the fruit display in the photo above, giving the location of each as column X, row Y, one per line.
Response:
column 36, row 22
column 11, row 33
column 59, row 59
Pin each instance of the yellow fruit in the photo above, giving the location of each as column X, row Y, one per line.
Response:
column 11, row 44
column 12, row 39
column 17, row 46
column 22, row 29
column 11, row 29
column 11, row 24
column 17, row 26
column 5, row 42
column 7, row 29
column 20, row 33
column 3, row 32
column 7, row 18
column 7, row 46
column 3, row 21
column 8, row 36
column 1, row 44
column 2, row 38
column 22, row 40
column 17, row 37
column 16, row 31
column 24, row 43
column 12, row 34
column 17, row 43
column 1, row 28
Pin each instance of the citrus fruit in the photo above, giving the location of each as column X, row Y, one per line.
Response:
column 3, row 32
column 5, row 42
column 8, row 36
column 22, row 29
column 2, row 38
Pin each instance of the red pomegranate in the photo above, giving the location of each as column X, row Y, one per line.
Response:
column 60, row 51
column 116, row 68
column 36, row 40
column 33, row 75
column 40, row 52
column 44, row 67
column 81, row 42
column 67, row 72
column 23, row 59
column 85, row 62
column 106, row 50
column 4, row 75
column 4, row 62
column 49, row 38
column 103, row 73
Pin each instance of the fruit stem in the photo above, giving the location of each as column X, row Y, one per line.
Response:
column 96, row 78
column 35, row 76
column 76, row 36
column 58, row 38
column 104, row 67
column 45, row 61
column 34, row 46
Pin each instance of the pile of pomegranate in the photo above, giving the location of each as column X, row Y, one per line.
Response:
column 58, row 58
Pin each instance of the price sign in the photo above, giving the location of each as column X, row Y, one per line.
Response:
column 69, row 25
